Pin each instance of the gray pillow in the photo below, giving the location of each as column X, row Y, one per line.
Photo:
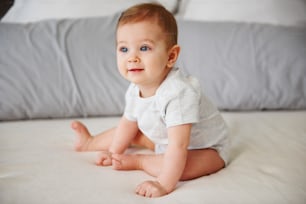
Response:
column 67, row 68
column 246, row 66
column 60, row 68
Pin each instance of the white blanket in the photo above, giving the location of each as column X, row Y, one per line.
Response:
column 267, row 165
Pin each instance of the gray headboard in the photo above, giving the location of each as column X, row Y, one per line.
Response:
column 67, row 68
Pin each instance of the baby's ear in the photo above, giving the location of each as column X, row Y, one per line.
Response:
column 173, row 55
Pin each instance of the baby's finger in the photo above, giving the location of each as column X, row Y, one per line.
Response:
column 116, row 164
column 104, row 159
column 107, row 162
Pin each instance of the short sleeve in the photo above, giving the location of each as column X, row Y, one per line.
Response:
column 129, row 99
column 184, row 108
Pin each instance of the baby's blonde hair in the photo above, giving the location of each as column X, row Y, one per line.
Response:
column 153, row 12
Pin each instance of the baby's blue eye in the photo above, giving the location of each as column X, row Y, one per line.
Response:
column 144, row 48
column 123, row 49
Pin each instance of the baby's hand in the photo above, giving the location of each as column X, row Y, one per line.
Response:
column 104, row 159
column 150, row 189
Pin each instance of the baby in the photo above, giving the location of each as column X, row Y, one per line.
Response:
column 165, row 111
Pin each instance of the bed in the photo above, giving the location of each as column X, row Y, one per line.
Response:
column 56, row 70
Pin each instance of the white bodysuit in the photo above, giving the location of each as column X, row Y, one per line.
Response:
column 178, row 101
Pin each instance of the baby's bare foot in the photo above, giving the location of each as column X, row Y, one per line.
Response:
column 127, row 161
column 83, row 136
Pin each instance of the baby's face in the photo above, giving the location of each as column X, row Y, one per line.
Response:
column 142, row 53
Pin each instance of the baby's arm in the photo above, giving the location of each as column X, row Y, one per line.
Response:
column 175, row 156
column 124, row 134
column 174, row 162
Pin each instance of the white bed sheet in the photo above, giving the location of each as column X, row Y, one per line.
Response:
column 267, row 165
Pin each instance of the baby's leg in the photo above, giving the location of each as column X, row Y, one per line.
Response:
column 199, row 163
column 102, row 141
column 143, row 141
column 86, row 142
column 202, row 162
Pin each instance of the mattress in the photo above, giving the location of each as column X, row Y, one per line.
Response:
column 267, row 164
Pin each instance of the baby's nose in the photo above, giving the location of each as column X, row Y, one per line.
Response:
column 134, row 59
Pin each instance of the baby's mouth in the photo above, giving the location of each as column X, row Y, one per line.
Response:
column 135, row 69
